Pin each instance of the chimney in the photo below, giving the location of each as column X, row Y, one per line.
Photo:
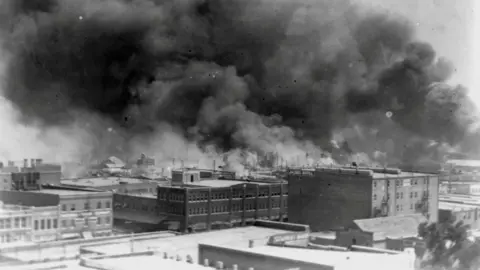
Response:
column 25, row 163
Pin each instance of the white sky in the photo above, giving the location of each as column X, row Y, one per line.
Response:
column 449, row 26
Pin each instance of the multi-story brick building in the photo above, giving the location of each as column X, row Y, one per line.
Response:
column 83, row 213
column 197, row 202
column 331, row 198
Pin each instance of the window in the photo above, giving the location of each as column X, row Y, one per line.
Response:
column 17, row 222
column 55, row 223
column 36, row 225
column 99, row 220
column 398, row 195
column 64, row 223
column 374, row 197
column 42, row 224
column 374, row 184
column 411, row 206
column 416, row 194
column 398, row 207
column 107, row 204
column 411, row 195
column 87, row 206
column 401, row 195
column 107, row 220
column 8, row 224
column 24, row 222
column 49, row 224
column 72, row 208
column 99, row 205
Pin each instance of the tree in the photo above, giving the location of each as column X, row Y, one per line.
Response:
column 448, row 246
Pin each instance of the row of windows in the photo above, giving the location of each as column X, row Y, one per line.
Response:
column 224, row 196
column 224, row 209
column 45, row 224
column 171, row 196
column 399, row 182
column 9, row 238
column 86, row 206
column 18, row 222
column 412, row 207
column 399, row 195
column 72, row 222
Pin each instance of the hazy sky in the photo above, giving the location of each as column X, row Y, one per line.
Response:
column 447, row 25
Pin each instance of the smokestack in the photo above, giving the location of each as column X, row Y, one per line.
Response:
column 25, row 163
column 173, row 163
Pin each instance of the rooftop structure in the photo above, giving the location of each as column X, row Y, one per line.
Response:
column 358, row 193
column 102, row 181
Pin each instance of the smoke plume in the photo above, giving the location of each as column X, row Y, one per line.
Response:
column 124, row 76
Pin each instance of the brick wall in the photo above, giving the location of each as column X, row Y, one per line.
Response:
column 327, row 201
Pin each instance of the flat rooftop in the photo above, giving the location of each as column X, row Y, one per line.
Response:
column 337, row 259
column 63, row 191
column 184, row 245
column 101, row 182
column 146, row 262
column 451, row 206
column 223, row 183
column 375, row 173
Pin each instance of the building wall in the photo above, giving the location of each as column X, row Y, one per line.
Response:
column 5, row 181
column 245, row 259
column 29, row 198
column 15, row 223
column 45, row 223
column 26, row 180
column 90, row 212
column 207, row 208
column 327, row 201
column 402, row 196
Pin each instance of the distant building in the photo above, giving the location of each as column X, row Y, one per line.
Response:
column 332, row 198
column 82, row 213
column 136, row 213
column 462, row 165
column 29, row 176
column 6, row 181
column 465, row 188
column 145, row 161
column 125, row 185
column 468, row 214
column 195, row 201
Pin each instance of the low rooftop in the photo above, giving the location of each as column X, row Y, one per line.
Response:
column 184, row 245
column 214, row 183
column 103, row 181
column 337, row 259
column 63, row 191
column 451, row 206
column 392, row 227
column 375, row 173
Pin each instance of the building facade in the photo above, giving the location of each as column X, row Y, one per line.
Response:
column 45, row 223
column 81, row 213
column 331, row 198
column 15, row 223
column 6, row 181
column 195, row 203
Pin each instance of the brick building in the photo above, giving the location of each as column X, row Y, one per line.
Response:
column 197, row 202
column 82, row 213
column 331, row 198
column 136, row 213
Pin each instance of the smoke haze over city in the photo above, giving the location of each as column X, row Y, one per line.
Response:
column 84, row 79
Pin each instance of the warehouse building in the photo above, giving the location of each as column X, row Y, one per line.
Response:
column 332, row 198
column 197, row 202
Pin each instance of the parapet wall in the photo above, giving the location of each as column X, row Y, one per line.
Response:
column 282, row 225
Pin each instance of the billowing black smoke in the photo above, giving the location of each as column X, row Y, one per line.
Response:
column 235, row 74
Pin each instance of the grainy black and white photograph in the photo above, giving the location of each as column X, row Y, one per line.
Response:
column 239, row 134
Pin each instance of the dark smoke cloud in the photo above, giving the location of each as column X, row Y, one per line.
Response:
column 260, row 75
